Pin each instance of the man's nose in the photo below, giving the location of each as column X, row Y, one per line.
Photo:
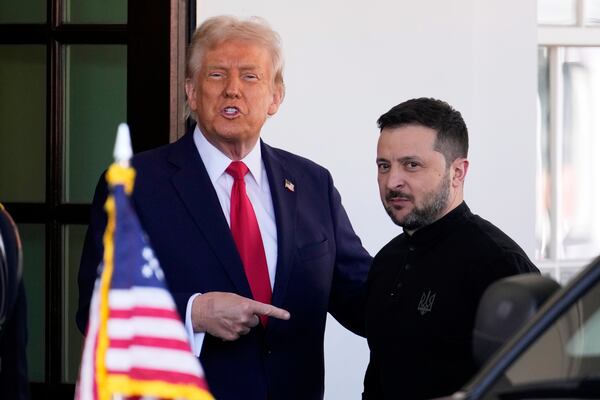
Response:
column 232, row 88
column 396, row 179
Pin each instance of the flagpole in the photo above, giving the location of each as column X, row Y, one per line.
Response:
column 118, row 173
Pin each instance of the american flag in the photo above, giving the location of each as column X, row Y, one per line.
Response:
column 136, row 345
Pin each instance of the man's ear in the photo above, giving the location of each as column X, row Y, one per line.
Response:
column 278, row 95
column 190, row 91
column 459, row 168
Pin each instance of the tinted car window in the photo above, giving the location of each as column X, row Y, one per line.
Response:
column 566, row 355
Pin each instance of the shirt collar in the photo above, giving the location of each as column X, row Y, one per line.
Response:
column 216, row 162
column 441, row 227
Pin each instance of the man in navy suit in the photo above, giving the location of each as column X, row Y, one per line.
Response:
column 313, row 261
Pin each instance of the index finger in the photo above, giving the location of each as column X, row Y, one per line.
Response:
column 270, row 310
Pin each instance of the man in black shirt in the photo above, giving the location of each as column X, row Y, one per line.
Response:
column 425, row 284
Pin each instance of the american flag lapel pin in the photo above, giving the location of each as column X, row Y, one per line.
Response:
column 289, row 185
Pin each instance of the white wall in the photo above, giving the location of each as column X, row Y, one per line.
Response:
column 348, row 61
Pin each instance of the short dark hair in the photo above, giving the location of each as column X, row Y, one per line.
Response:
column 452, row 138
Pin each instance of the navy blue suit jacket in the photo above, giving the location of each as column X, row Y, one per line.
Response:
column 321, row 266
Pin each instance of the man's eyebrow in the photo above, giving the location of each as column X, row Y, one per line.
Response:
column 215, row 66
column 399, row 159
column 409, row 158
column 225, row 65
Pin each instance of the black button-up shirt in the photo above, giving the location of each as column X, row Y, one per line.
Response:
column 423, row 292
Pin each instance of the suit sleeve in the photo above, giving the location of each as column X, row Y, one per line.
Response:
column 91, row 255
column 352, row 263
column 14, row 382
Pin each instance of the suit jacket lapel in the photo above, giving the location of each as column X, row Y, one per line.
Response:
column 193, row 185
column 284, row 204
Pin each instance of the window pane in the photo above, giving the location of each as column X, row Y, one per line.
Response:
column 593, row 12
column 33, row 238
column 95, row 104
column 556, row 12
column 543, row 158
column 95, row 11
column 22, row 123
column 22, row 11
column 72, row 338
column 580, row 214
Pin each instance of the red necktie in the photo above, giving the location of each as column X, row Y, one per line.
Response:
column 246, row 235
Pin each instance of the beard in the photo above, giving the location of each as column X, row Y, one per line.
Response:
column 434, row 203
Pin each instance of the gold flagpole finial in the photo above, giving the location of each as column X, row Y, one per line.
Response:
column 120, row 172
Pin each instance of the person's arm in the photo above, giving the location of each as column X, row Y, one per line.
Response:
column 505, row 264
column 196, row 339
column 228, row 315
column 14, row 383
column 372, row 389
column 352, row 263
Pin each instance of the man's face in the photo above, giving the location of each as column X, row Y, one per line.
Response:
column 414, row 183
column 233, row 93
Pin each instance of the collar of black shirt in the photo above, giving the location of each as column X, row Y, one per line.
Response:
column 440, row 228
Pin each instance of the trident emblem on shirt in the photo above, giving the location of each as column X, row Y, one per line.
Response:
column 426, row 302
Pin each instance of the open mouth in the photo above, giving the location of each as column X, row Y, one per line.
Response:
column 230, row 112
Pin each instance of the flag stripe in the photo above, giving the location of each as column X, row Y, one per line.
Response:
column 153, row 358
column 146, row 326
column 150, row 341
column 159, row 374
column 138, row 296
column 144, row 312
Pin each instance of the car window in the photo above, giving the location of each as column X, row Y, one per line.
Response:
column 568, row 352
column 580, row 344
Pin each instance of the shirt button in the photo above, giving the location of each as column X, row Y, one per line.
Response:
column 392, row 293
column 407, row 267
column 411, row 248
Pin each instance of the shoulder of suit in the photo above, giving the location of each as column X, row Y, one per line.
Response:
column 151, row 156
column 294, row 161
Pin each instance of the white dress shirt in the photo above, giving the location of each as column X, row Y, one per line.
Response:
column 259, row 193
